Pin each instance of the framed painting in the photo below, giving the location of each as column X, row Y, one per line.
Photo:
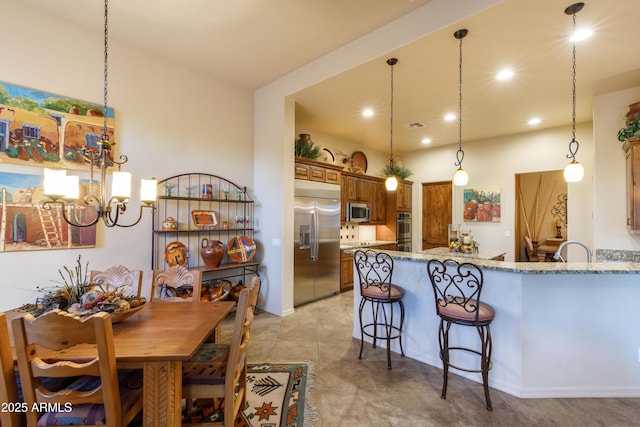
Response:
column 481, row 205
column 27, row 225
column 43, row 129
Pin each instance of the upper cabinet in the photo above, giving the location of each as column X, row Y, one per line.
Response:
column 632, row 150
column 403, row 196
column 311, row 170
column 364, row 189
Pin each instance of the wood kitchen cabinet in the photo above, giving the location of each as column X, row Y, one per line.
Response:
column 632, row 150
column 311, row 170
column 403, row 196
column 346, row 271
column 364, row 189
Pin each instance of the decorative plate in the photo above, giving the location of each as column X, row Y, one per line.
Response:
column 327, row 156
column 204, row 218
column 241, row 249
column 360, row 160
column 176, row 253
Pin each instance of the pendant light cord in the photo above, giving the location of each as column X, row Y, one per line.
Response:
column 573, row 145
column 391, row 62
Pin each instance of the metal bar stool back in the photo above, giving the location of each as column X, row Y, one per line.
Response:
column 457, row 288
column 375, row 270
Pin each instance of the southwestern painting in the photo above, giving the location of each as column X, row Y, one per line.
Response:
column 42, row 129
column 27, row 225
column 481, row 204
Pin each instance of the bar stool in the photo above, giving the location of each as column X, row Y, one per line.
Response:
column 457, row 288
column 374, row 274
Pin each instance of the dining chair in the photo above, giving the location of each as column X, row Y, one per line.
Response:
column 219, row 371
column 10, row 415
column 457, row 287
column 129, row 282
column 177, row 284
column 375, row 271
column 97, row 394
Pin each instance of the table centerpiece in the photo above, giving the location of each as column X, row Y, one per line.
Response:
column 79, row 295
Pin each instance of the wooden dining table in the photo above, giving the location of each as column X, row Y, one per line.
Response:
column 158, row 339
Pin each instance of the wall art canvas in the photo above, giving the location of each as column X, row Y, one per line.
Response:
column 27, row 225
column 481, row 204
column 42, row 129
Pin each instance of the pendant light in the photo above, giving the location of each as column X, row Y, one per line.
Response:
column 574, row 171
column 391, row 183
column 460, row 177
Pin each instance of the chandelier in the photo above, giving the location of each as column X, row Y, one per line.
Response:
column 63, row 191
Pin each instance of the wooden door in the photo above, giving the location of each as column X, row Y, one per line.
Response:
column 436, row 213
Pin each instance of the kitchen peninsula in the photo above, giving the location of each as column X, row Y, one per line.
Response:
column 561, row 329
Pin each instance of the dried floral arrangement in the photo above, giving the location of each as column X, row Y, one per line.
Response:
column 78, row 295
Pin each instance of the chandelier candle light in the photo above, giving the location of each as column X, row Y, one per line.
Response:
column 574, row 171
column 391, row 183
column 63, row 189
column 460, row 177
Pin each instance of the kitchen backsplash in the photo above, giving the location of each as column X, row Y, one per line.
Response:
column 351, row 232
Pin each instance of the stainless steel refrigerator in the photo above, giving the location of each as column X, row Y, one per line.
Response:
column 316, row 241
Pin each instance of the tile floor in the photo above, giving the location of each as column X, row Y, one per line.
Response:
column 351, row 392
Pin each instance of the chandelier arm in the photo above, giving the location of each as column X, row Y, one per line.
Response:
column 121, row 208
column 49, row 204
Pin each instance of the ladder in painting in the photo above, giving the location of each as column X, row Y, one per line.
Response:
column 49, row 227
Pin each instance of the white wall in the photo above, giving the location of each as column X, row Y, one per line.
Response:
column 169, row 120
column 610, row 189
column 494, row 163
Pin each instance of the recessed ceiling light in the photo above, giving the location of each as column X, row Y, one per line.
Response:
column 449, row 117
column 505, row 74
column 534, row 121
column 580, row 35
column 426, row 141
column 367, row 112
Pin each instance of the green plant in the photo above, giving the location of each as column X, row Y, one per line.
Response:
column 307, row 149
column 397, row 171
column 631, row 130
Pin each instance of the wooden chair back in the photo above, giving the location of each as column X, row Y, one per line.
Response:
column 233, row 390
column 118, row 276
column 9, row 416
column 55, row 332
column 177, row 284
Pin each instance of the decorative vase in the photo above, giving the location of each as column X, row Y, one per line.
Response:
column 212, row 252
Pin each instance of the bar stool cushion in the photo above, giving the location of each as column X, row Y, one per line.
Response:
column 454, row 311
column 376, row 293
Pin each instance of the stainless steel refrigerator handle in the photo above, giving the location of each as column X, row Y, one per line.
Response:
column 314, row 236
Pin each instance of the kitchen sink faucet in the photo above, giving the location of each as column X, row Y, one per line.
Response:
column 558, row 254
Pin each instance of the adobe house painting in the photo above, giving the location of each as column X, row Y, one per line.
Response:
column 25, row 224
column 42, row 129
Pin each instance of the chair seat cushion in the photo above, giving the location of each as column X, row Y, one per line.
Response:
column 130, row 384
column 455, row 311
column 376, row 293
column 207, row 366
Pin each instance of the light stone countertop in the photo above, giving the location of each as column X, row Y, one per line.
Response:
column 445, row 252
column 532, row 267
column 367, row 244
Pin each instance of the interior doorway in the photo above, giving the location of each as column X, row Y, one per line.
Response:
column 436, row 213
column 541, row 213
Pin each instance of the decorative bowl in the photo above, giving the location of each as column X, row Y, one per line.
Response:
column 119, row 316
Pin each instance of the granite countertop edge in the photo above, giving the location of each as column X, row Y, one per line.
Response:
column 369, row 244
column 531, row 267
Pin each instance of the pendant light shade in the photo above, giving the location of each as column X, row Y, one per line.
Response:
column 460, row 177
column 574, row 171
column 391, row 183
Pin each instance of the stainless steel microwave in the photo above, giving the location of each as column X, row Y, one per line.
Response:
column 358, row 212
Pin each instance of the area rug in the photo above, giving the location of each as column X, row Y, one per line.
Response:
column 276, row 395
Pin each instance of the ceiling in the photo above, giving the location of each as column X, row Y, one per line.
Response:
column 272, row 38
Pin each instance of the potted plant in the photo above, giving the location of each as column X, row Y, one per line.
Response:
column 396, row 170
column 306, row 148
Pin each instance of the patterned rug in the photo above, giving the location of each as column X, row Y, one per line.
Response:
column 275, row 398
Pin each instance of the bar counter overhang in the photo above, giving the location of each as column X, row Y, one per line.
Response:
column 561, row 329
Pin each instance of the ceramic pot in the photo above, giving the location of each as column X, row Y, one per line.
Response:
column 212, row 252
